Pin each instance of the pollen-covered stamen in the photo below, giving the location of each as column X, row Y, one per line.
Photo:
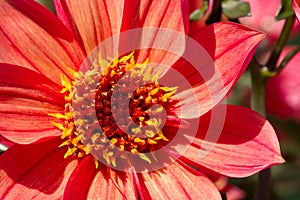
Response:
column 100, row 136
column 71, row 138
column 129, row 134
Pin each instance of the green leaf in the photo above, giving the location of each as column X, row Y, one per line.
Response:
column 198, row 14
column 286, row 10
column 234, row 9
column 48, row 4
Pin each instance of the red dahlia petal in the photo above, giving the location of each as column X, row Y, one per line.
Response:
column 26, row 99
column 31, row 36
column 87, row 182
column 161, row 14
column 176, row 182
column 231, row 47
column 166, row 14
column 34, row 171
column 111, row 184
column 80, row 180
column 246, row 144
column 92, row 21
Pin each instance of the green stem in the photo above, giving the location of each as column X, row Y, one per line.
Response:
column 216, row 13
column 288, row 25
column 259, row 76
column 263, row 186
column 258, row 88
column 287, row 58
column 258, row 104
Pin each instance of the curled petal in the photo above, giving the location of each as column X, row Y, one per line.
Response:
column 212, row 73
column 246, row 144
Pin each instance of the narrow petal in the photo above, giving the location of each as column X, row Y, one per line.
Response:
column 31, row 36
column 296, row 7
column 161, row 14
column 171, row 17
column 87, row 182
column 92, row 21
column 80, row 180
column 177, row 182
column 26, row 99
column 111, row 184
column 282, row 91
column 246, row 144
column 211, row 73
column 34, row 171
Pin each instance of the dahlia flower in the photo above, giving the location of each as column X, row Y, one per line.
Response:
column 55, row 158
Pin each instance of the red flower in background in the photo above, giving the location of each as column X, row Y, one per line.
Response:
column 296, row 7
column 37, row 48
column 282, row 92
column 263, row 18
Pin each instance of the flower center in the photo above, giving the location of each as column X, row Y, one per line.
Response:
column 129, row 106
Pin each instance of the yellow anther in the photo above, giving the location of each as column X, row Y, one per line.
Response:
column 67, row 142
column 158, row 110
column 169, row 89
column 126, row 58
column 150, row 141
column 141, row 119
column 129, row 67
column 136, row 130
column 96, row 162
column 148, row 99
column 70, row 152
column 160, row 134
column 76, row 140
column 148, row 122
column 150, row 133
column 114, row 140
column 113, row 161
column 66, row 132
column 166, row 96
column 112, row 73
column 95, row 137
column 144, row 157
column 115, row 62
column 107, row 156
column 58, row 125
column 66, row 116
column 134, row 151
column 154, row 91
column 139, row 140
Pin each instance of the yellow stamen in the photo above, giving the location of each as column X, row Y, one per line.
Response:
column 144, row 157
